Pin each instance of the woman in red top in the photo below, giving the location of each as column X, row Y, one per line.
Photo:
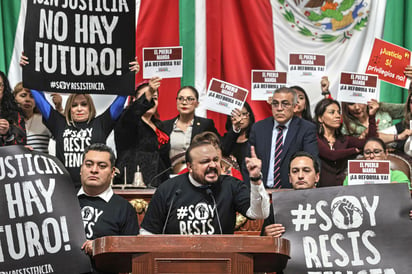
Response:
column 335, row 149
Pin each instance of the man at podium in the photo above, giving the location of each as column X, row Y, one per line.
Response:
column 204, row 202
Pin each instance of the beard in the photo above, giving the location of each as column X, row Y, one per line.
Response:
column 209, row 177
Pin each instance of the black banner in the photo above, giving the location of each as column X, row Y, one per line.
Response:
column 80, row 46
column 347, row 230
column 41, row 230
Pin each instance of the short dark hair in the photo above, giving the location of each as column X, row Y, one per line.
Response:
column 375, row 139
column 193, row 146
column 192, row 88
column 209, row 137
column 314, row 159
column 102, row 148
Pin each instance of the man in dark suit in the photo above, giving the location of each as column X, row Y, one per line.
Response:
column 292, row 133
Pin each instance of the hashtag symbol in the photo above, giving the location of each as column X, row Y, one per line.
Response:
column 52, row 84
column 182, row 212
column 303, row 217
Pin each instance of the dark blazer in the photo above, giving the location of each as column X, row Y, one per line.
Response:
column 199, row 125
column 301, row 136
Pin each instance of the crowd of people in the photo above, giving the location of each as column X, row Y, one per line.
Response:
column 290, row 149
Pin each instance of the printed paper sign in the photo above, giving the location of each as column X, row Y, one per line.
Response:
column 80, row 46
column 265, row 82
column 41, row 229
column 166, row 62
column 305, row 67
column 388, row 61
column 368, row 172
column 357, row 88
column 224, row 97
column 346, row 229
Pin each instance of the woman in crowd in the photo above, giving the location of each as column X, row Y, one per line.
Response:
column 38, row 135
column 335, row 148
column 140, row 140
column 237, row 144
column 356, row 119
column 302, row 109
column 12, row 127
column 185, row 126
column 375, row 149
column 78, row 126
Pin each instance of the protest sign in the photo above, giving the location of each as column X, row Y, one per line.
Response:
column 306, row 68
column 388, row 61
column 347, row 229
column 357, row 88
column 368, row 172
column 265, row 82
column 165, row 62
column 224, row 97
column 41, row 230
column 80, row 46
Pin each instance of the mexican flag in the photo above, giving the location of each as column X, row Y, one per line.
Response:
column 227, row 39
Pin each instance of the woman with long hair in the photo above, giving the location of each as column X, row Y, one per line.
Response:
column 302, row 109
column 335, row 149
column 140, row 139
column 12, row 127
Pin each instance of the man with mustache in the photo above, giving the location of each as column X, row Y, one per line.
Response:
column 204, row 202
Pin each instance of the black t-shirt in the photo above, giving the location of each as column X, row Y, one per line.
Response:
column 72, row 140
column 193, row 212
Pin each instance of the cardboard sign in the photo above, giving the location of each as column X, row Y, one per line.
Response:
column 357, row 88
column 80, row 46
column 163, row 62
column 265, row 82
column 368, row 172
column 347, row 229
column 224, row 97
column 306, row 68
column 41, row 230
column 388, row 61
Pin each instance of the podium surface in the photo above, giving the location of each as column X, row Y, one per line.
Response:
column 191, row 254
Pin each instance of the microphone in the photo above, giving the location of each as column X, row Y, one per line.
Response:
column 210, row 193
column 149, row 185
column 170, row 209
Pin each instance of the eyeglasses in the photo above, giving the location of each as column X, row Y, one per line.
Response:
column 244, row 114
column 189, row 100
column 284, row 104
column 375, row 152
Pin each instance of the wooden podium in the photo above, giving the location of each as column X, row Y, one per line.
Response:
column 235, row 254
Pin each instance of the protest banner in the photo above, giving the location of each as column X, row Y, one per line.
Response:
column 362, row 172
column 41, row 229
column 265, row 82
column 388, row 61
column 357, row 88
column 347, row 229
column 224, row 97
column 80, row 46
column 306, row 68
column 164, row 62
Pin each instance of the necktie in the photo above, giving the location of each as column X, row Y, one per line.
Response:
column 278, row 152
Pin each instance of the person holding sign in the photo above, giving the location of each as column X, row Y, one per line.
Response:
column 303, row 174
column 104, row 213
column 185, row 126
column 334, row 147
column 12, row 127
column 375, row 149
column 204, row 202
column 277, row 138
column 140, row 139
column 78, row 127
